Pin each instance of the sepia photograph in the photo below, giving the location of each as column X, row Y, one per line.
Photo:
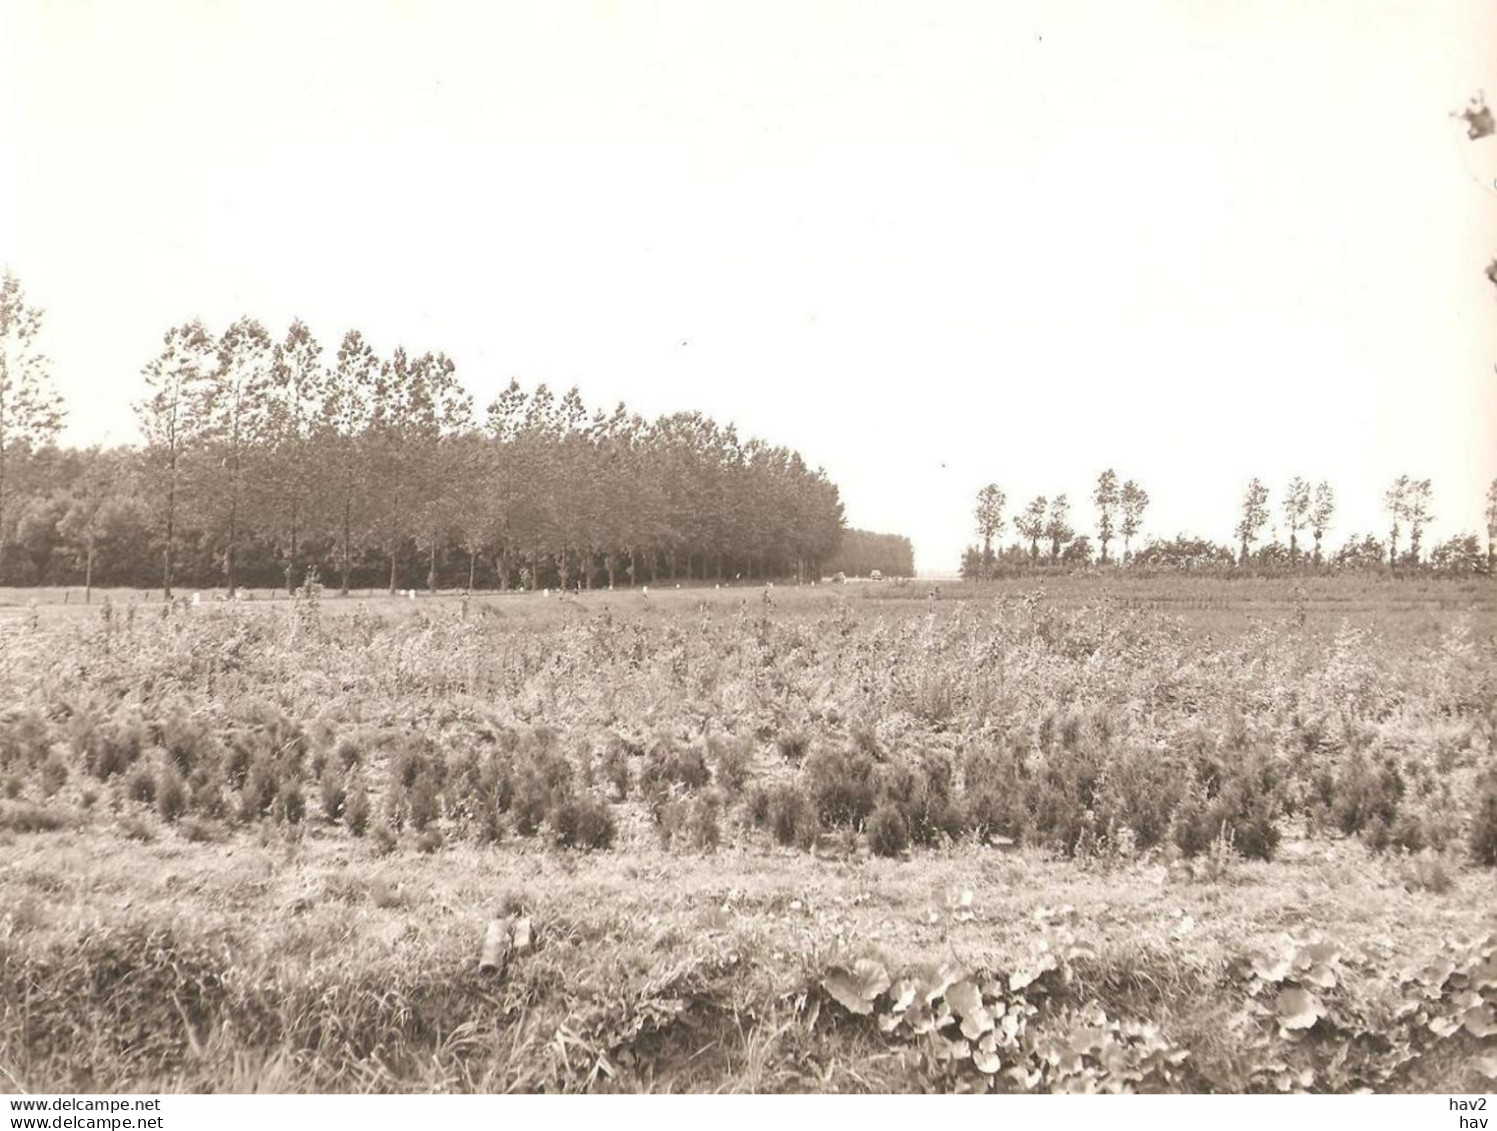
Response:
column 838, row 547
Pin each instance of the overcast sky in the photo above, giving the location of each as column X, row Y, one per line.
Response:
column 930, row 245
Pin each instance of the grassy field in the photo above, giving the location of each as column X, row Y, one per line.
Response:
column 1095, row 834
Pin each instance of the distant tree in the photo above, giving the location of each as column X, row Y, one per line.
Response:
column 1321, row 511
column 1296, row 513
column 990, row 503
column 343, row 444
column 85, row 521
column 1133, row 500
column 31, row 412
column 1184, row 552
column 1106, row 498
column 1491, row 517
column 434, row 410
column 238, row 431
column 1254, row 515
column 1396, row 502
column 1078, row 551
column 174, row 420
column 1057, row 526
column 1461, row 554
column 1361, row 553
column 1272, row 555
column 1031, row 523
column 299, row 384
column 973, row 567
column 861, row 552
column 1417, row 509
column 415, row 403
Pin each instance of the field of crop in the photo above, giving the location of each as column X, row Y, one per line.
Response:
column 1091, row 834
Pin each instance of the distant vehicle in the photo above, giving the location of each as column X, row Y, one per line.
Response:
column 876, row 575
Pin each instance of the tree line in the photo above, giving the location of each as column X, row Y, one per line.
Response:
column 264, row 458
column 863, row 551
column 1045, row 534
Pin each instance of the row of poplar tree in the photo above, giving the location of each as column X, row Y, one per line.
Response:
column 1306, row 516
column 264, row 458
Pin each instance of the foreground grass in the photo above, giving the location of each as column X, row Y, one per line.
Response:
column 186, row 902
column 316, row 964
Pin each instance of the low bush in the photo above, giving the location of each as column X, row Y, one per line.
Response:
column 793, row 744
column 541, row 782
column 141, row 785
column 791, row 817
column 261, row 784
column 732, row 761
column 356, row 810
column 666, row 765
column 888, row 834
column 1366, row 793
column 54, row 774
column 422, row 807
column 583, row 822
column 841, row 785
column 24, row 818
column 333, row 793
column 25, row 737
column 171, row 794
column 383, row 838
column 921, row 790
column 703, row 825
column 290, row 804
column 616, row 770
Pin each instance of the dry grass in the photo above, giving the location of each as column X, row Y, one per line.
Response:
column 282, row 952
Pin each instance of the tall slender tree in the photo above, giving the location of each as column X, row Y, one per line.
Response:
column 174, row 419
column 1396, row 502
column 298, row 386
column 1057, row 525
column 1417, row 509
column 1296, row 513
column 1031, row 523
column 1254, row 514
column 342, row 443
column 31, row 411
column 990, row 503
column 1321, row 512
column 1106, row 498
column 1133, row 500
column 238, row 431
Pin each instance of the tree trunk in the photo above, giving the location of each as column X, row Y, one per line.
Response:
column 431, row 572
column 347, row 545
column 393, row 555
column 88, row 577
column 291, row 558
column 229, row 546
column 472, row 566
